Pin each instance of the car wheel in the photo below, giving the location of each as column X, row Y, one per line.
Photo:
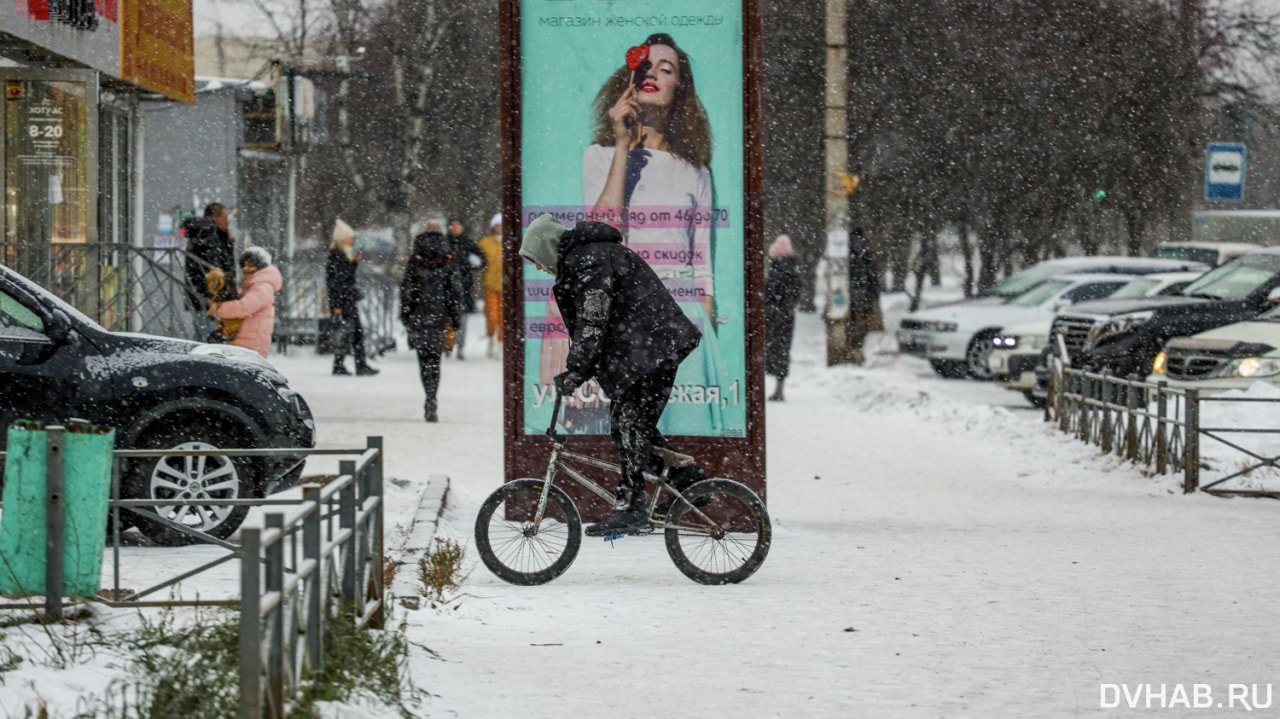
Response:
column 951, row 369
column 976, row 356
column 1035, row 400
column 191, row 479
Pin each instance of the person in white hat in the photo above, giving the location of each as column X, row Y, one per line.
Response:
column 491, row 280
column 340, row 286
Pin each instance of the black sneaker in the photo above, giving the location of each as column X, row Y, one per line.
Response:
column 365, row 370
column 339, row 369
column 622, row 521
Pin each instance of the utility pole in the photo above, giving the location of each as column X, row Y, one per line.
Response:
column 838, row 185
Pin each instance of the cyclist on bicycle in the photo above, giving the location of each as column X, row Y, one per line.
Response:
column 628, row 332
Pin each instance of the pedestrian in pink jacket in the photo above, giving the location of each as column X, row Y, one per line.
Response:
column 257, row 304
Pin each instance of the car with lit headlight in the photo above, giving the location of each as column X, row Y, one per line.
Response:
column 956, row 337
column 1017, row 349
column 57, row 364
column 1230, row 357
column 1124, row 337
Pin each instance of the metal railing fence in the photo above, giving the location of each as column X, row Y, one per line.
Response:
column 117, row 596
column 1143, row 422
column 298, row 573
column 1155, row 425
column 143, row 289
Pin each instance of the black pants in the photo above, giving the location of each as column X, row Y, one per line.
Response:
column 429, row 371
column 357, row 339
column 633, row 421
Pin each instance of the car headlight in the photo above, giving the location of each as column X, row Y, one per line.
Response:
column 1157, row 365
column 233, row 353
column 1118, row 325
column 1027, row 343
column 1247, row 367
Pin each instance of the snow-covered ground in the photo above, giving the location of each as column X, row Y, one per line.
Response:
column 938, row 552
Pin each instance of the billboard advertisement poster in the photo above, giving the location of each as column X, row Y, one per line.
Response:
column 669, row 73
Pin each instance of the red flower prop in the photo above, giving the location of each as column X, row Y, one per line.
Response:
column 636, row 56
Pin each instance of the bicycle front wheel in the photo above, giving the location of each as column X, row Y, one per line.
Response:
column 517, row 550
column 724, row 537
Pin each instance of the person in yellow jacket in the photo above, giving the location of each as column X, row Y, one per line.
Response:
column 491, row 246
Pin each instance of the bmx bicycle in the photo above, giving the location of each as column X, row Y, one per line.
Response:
column 529, row 531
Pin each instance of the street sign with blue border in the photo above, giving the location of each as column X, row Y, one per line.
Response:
column 1224, row 172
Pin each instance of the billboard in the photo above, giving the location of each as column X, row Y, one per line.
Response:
column 632, row 113
column 644, row 114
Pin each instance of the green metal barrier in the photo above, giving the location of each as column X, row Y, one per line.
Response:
column 57, row 482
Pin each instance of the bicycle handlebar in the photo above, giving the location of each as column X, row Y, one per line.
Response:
column 555, row 415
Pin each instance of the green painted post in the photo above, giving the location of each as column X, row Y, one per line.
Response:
column 24, row 526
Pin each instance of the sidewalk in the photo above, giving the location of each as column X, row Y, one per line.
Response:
column 934, row 556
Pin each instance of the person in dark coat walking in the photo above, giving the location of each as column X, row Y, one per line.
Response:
column 344, row 297
column 781, row 294
column 628, row 333
column 467, row 259
column 209, row 246
column 864, row 294
column 430, row 305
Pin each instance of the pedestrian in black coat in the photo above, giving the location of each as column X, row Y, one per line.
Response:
column 627, row 332
column 467, row 259
column 864, row 294
column 781, row 294
column 209, row 246
column 344, row 297
column 430, row 306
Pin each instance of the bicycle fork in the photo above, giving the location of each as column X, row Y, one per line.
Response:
column 547, row 479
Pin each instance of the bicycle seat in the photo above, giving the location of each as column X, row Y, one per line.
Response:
column 672, row 458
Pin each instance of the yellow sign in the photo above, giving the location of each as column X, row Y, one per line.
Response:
column 157, row 48
column 848, row 183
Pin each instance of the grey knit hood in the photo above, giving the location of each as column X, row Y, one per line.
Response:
column 542, row 242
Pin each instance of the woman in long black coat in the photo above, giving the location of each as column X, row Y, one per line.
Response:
column 430, row 306
column 781, row 294
column 340, row 287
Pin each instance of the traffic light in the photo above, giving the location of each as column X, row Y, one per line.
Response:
column 1100, row 195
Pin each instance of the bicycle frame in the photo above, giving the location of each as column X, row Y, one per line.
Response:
column 554, row 466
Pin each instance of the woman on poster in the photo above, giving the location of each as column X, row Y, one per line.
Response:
column 646, row 172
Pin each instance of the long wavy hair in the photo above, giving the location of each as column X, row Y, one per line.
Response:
column 688, row 130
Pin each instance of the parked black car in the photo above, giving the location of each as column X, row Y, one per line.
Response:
column 159, row 393
column 1123, row 337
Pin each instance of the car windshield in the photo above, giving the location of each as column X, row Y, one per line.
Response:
column 1019, row 282
column 1207, row 255
column 1137, row 288
column 1041, row 292
column 54, row 300
column 1235, row 280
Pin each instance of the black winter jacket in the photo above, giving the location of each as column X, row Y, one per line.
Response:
column 464, row 248
column 622, row 321
column 781, row 294
column 208, row 246
column 340, row 282
column 429, row 301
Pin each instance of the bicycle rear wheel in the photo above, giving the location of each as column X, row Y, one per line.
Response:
column 517, row 551
column 725, row 539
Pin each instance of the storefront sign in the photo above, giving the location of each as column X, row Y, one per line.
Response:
column 80, row 31
column 157, row 51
